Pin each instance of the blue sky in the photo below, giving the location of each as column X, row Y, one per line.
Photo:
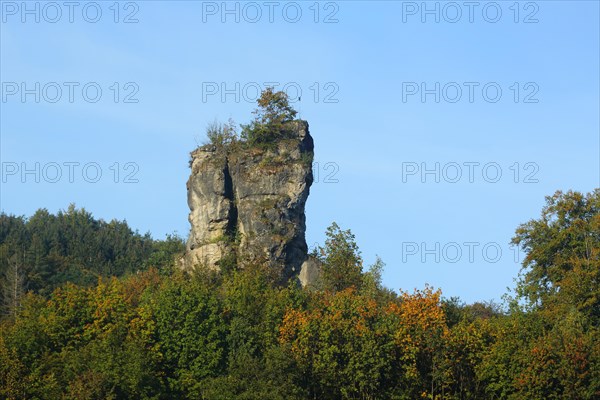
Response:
column 362, row 68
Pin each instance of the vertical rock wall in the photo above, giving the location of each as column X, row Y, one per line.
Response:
column 247, row 205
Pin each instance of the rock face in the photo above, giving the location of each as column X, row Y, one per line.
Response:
column 247, row 205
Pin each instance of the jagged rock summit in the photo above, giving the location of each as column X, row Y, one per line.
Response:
column 247, row 205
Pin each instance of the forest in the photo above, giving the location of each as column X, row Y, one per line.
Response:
column 94, row 310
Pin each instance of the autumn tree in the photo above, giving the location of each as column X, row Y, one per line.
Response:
column 343, row 344
column 241, row 334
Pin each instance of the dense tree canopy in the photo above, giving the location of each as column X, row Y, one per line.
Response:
column 44, row 251
column 162, row 334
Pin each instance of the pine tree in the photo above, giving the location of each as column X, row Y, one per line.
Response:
column 13, row 286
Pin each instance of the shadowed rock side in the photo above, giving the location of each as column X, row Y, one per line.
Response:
column 247, row 205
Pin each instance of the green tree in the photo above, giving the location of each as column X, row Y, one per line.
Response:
column 12, row 286
column 190, row 331
column 271, row 120
column 165, row 253
column 73, row 246
column 274, row 108
column 562, row 264
column 342, row 263
column 463, row 349
column 535, row 356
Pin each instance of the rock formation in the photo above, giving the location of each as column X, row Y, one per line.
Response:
column 247, row 205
